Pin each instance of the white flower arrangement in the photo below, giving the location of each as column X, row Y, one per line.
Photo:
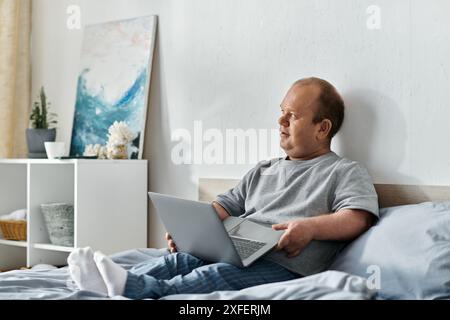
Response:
column 118, row 138
column 119, row 134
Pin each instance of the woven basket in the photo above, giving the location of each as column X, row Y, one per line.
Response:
column 14, row 230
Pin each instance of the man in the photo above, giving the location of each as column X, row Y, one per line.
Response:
column 322, row 201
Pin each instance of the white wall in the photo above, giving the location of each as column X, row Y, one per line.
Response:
column 230, row 62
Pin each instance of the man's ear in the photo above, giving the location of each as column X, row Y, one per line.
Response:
column 325, row 128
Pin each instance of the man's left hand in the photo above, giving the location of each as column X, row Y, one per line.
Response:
column 298, row 234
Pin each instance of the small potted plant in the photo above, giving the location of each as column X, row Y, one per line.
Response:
column 40, row 131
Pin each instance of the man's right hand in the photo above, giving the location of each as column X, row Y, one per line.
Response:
column 221, row 212
column 171, row 243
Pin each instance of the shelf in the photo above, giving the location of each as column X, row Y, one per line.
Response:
column 13, row 243
column 52, row 247
column 73, row 161
column 95, row 188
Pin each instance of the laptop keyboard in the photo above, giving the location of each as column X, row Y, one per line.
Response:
column 245, row 247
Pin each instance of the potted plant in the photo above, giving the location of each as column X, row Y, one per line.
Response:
column 40, row 131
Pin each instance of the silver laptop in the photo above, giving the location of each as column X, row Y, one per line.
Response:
column 197, row 229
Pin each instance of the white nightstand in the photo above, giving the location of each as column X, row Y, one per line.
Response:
column 109, row 198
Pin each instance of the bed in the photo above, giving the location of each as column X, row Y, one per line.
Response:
column 406, row 255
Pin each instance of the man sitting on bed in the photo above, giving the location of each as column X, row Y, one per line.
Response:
column 321, row 200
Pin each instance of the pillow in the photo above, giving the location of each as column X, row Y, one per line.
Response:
column 409, row 248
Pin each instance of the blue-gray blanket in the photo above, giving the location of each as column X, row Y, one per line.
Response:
column 56, row 284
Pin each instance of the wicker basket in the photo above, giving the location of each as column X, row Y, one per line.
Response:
column 14, row 230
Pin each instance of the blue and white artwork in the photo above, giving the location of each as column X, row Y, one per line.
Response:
column 113, row 82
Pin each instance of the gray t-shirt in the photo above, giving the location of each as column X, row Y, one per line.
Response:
column 280, row 190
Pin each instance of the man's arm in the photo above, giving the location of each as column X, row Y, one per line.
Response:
column 343, row 225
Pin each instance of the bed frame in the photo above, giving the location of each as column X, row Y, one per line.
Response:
column 389, row 195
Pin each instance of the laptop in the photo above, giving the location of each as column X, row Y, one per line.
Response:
column 197, row 229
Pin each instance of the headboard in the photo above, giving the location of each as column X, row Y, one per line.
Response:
column 389, row 195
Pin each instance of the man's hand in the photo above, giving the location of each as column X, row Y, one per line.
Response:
column 171, row 243
column 344, row 225
column 221, row 212
column 298, row 234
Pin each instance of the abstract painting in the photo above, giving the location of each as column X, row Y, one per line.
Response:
column 114, row 81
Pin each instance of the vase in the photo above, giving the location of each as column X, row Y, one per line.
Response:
column 36, row 139
column 59, row 220
column 118, row 152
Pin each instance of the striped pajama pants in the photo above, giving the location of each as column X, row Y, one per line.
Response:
column 180, row 273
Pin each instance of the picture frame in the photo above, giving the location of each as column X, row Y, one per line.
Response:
column 114, row 82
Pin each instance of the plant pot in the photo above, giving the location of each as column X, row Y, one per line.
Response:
column 118, row 152
column 59, row 220
column 36, row 139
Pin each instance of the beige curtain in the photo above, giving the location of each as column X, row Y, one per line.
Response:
column 15, row 76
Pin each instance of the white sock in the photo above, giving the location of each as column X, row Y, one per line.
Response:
column 84, row 272
column 114, row 276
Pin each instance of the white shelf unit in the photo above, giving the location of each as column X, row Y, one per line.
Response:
column 109, row 199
